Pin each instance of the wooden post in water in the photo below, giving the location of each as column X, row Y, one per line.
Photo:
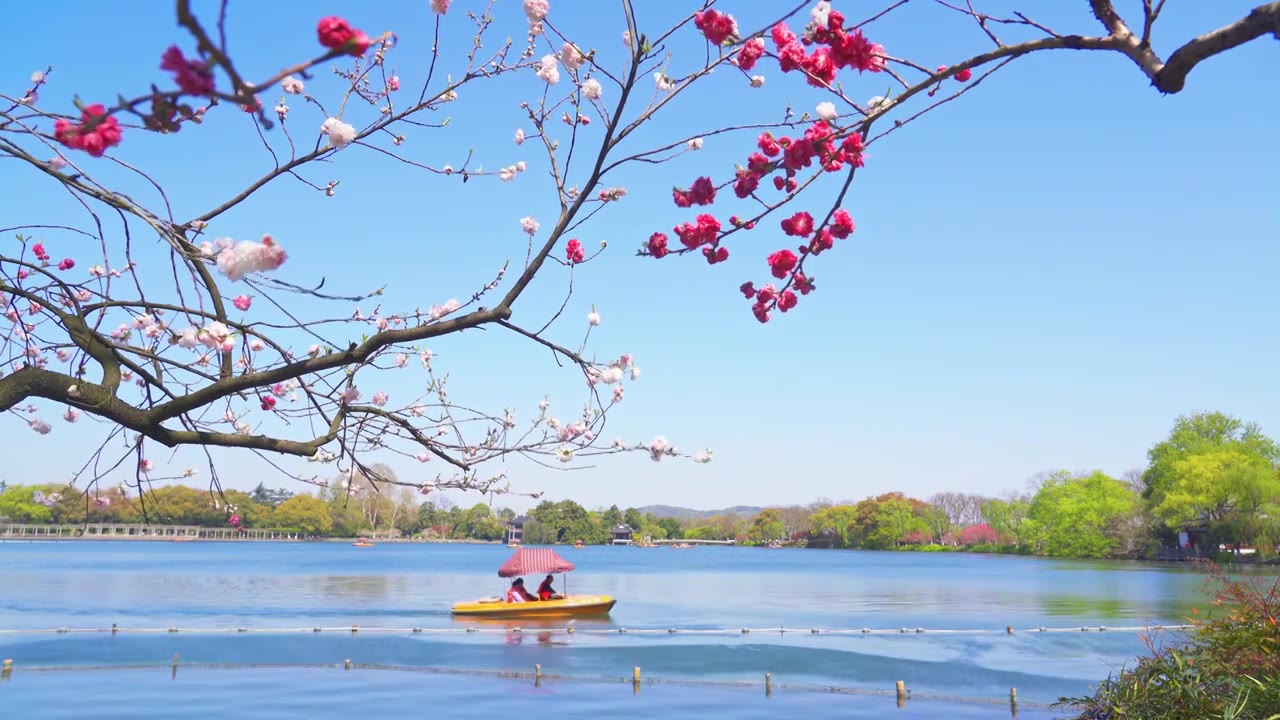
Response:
column 635, row 680
column 902, row 693
column 1013, row 701
column 346, row 664
column 537, row 675
column 113, row 629
column 1008, row 629
column 174, row 674
column 768, row 684
column 6, row 670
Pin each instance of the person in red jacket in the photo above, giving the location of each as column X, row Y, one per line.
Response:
column 517, row 593
column 546, row 592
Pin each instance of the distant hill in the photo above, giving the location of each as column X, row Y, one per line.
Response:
column 684, row 513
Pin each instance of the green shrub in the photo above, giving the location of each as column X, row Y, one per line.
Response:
column 1227, row 667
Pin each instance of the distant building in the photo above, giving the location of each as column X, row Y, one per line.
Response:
column 622, row 534
column 515, row 528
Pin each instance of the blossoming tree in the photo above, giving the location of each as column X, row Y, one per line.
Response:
column 169, row 345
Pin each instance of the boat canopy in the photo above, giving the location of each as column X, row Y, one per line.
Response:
column 534, row 561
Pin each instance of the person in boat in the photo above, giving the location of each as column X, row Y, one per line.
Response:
column 517, row 593
column 546, row 592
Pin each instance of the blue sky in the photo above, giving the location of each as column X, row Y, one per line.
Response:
column 1045, row 273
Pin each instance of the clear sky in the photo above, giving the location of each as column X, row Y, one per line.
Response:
column 1045, row 273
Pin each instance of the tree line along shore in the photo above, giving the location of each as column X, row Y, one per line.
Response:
column 1211, row 489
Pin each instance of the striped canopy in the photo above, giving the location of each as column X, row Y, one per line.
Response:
column 534, row 561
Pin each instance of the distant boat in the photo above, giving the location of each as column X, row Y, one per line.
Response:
column 183, row 539
column 362, row 542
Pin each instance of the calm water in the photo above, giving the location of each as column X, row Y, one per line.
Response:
column 277, row 585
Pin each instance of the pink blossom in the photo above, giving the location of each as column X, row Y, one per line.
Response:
column 593, row 318
column 292, row 85
column 380, row 398
column 66, row 264
column 529, row 224
column 536, row 10
column 543, row 405
column 549, row 69
column 349, row 395
column 340, row 134
column 635, row 373
column 422, row 457
column 393, row 83
column 40, row 426
column 519, row 136
column 102, row 501
column 402, row 360
column 438, row 312
column 146, row 466
column 509, row 420
column 247, row 257
column 617, row 393
column 440, row 7
column 242, row 302
column 571, row 56
column 591, row 89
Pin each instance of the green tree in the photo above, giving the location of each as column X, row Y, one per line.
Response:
column 17, row 505
column 535, row 533
column 1009, row 519
column 1079, row 516
column 831, row 526
column 1226, row 488
column 670, row 526
column 1197, row 434
column 634, row 518
column 305, row 514
column 766, row 526
column 612, row 517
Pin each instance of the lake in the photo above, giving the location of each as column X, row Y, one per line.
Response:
column 200, row 587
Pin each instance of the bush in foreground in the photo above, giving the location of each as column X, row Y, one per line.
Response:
column 1228, row 667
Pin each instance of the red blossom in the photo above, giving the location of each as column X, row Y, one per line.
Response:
column 787, row 300
column 752, row 50
column 761, row 311
column 746, row 184
column 964, row 75
column 336, row 34
column 704, row 232
column 782, row 35
column 716, row 26
column 766, row 294
column 798, row 225
column 802, row 284
column 268, row 402
column 41, row 254
column 768, row 145
column 842, row 224
column 823, row 241
column 573, row 252
column 66, row 264
column 193, row 76
column 715, row 255
column 658, row 245
column 791, row 57
column 96, row 131
column 782, row 262
column 748, row 289
column 820, row 68
column 702, row 192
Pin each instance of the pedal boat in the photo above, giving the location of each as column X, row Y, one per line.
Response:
column 536, row 561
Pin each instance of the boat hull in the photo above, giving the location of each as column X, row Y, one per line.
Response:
column 572, row 606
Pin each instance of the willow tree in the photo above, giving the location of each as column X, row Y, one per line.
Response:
column 137, row 308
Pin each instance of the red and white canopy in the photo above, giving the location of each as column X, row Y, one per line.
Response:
column 534, row 561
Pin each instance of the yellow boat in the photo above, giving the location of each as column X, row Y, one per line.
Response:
column 572, row 606
column 535, row 561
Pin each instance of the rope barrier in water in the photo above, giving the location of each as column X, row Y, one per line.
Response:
column 572, row 630
column 900, row 691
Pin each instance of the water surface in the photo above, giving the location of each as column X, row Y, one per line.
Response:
column 207, row 585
